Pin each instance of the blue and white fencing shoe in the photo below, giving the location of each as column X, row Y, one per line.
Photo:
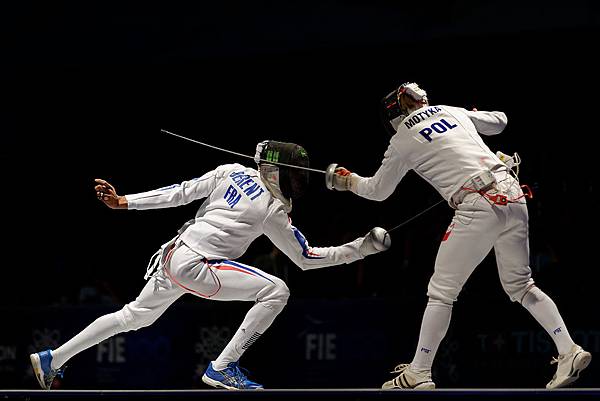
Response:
column 41, row 363
column 231, row 378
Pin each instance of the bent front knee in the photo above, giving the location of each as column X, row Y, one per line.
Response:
column 281, row 292
column 277, row 292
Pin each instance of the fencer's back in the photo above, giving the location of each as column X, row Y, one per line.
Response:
column 442, row 145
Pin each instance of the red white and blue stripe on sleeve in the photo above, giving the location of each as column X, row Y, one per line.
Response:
column 307, row 251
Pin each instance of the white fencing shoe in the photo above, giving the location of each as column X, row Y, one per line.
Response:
column 569, row 367
column 409, row 379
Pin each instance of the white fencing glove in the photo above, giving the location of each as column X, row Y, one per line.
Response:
column 375, row 241
column 339, row 178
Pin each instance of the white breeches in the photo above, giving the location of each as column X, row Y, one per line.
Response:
column 188, row 272
column 476, row 228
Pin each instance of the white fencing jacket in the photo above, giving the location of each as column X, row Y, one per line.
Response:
column 237, row 210
column 442, row 145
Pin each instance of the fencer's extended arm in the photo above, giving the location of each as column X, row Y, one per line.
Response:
column 381, row 185
column 177, row 194
column 279, row 229
column 488, row 122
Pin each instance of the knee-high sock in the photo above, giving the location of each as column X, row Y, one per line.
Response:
column 257, row 321
column 544, row 310
column 102, row 328
column 434, row 326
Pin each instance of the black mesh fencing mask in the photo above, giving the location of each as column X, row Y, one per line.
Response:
column 292, row 182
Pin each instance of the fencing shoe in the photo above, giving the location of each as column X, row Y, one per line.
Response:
column 409, row 379
column 569, row 366
column 41, row 363
column 231, row 378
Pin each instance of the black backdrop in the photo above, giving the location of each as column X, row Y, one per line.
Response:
column 88, row 86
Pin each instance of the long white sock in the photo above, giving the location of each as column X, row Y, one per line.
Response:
column 257, row 321
column 434, row 326
column 544, row 310
column 102, row 328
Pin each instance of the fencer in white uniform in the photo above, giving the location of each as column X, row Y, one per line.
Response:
column 240, row 205
column 442, row 145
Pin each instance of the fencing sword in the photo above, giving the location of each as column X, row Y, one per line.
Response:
column 328, row 172
column 314, row 170
column 416, row 215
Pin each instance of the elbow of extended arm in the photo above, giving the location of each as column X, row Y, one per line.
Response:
column 377, row 195
column 306, row 263
column 372, row 190
column 380, row 196
column 301, row 264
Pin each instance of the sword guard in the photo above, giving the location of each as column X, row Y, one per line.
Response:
column 329, row 173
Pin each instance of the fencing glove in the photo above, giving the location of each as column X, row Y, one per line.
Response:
column 375, row 241
column 339, row 178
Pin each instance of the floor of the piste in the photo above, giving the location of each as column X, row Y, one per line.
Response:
column 314, row 394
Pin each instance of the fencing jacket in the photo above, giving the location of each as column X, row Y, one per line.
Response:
column 238, row 208
column 442, row 145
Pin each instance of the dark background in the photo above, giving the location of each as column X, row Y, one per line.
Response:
column 87, row 86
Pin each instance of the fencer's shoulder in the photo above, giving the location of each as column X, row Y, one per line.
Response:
column 452, row 109
column 277, row 209
column 232, row 166
column 277, row 206
column 237, row 167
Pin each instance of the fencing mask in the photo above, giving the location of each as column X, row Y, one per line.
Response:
column 285, row 183
column 393, row 109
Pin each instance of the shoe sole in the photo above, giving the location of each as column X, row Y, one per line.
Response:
column 36, row 364
column 581, row 361
column 421, row 386
column 425, row 386
column 216, row 383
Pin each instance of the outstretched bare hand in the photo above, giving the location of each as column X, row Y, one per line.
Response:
column 108, row 195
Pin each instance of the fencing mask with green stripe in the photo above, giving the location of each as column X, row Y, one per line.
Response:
column 283, row 181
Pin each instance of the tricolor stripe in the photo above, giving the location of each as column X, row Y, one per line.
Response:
column 306, row 250
column 167, row 269
column 235, row 266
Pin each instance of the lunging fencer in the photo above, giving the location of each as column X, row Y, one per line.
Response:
column 241, row 204
column 442, row 145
